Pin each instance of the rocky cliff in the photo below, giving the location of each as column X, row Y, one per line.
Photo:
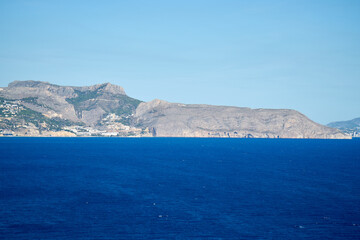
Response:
column 33, row 108
column 192, row 120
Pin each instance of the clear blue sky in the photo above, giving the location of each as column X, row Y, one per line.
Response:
column 303, row 55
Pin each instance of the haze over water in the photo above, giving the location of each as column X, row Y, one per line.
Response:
column 175, row 188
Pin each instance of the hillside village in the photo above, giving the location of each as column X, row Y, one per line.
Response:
column 17, row 120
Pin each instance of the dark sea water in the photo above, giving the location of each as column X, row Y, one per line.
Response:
column 176, row 188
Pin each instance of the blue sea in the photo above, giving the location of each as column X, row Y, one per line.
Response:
column 179, row 188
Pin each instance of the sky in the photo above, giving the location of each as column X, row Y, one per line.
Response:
column 302, row 55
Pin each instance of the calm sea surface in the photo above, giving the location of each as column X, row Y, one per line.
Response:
column 177, row 188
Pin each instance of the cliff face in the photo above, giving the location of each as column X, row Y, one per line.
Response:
column 39, row 108
column 188, row 120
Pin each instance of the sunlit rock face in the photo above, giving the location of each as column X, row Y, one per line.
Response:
column 191, row 120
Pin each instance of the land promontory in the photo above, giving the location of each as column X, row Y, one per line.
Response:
column 34, row 108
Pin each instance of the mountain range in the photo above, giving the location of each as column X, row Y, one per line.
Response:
column 34, row 108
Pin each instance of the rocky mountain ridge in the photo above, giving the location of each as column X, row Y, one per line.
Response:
column 33, row 108
column 198, row 120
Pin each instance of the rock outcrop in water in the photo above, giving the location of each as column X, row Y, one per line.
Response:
column 33, row 108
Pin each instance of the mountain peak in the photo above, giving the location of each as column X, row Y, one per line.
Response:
column 104, row 87
column 28, row 83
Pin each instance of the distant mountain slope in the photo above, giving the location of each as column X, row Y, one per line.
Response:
column 77, row 104
column 350, row 124
column 33, row 108
column 192, row 120
column 351, row 127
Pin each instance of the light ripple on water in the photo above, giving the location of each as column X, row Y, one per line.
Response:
column 111, row 188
